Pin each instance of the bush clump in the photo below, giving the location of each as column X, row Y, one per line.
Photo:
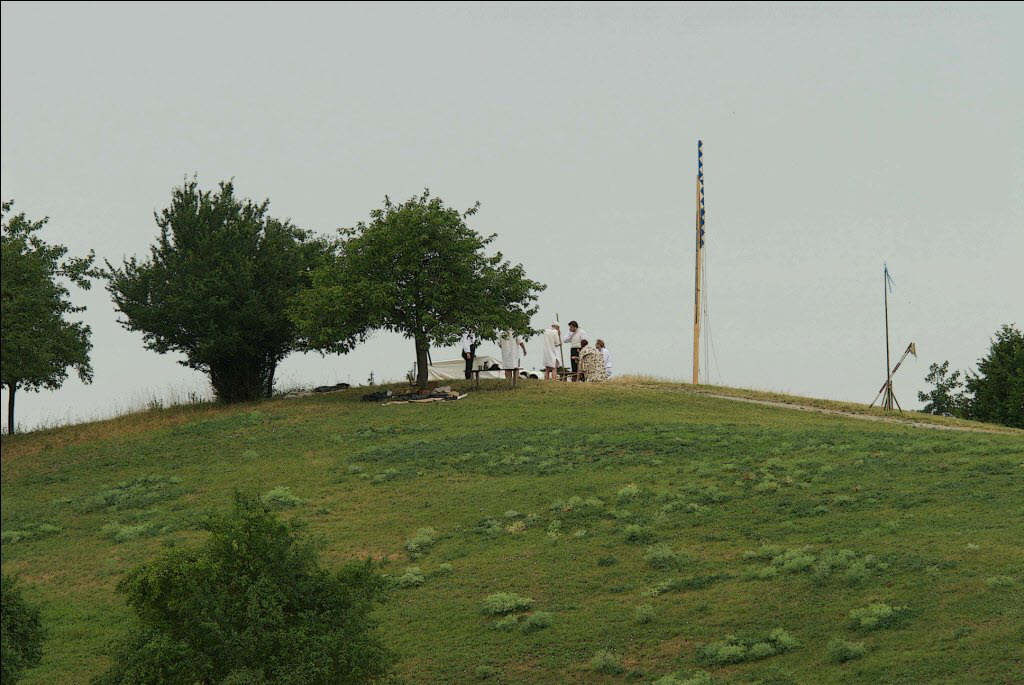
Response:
column 735, row 650
column 501, row 603
column 413, row 577
column 280, row 498
column 661, row 556
column 695, row 678
column 538, row 620
column 126, row 533
column 629, row 493
column 28, row 531
column 23, row 633
column 250, row 605
column 877, row 616
column 840, row 650
column 133, row 494
column 643, row 613
column 606, row 662
column 420, row 543
column 638, row 535
column 485, row 672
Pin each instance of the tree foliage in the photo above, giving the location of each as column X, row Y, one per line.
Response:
column 251, row 605
column 215, row 287
column 994, row 394
column 997, row 388
column 40, row 345
column 947, row 397
column 417, row 269
column 22, row 634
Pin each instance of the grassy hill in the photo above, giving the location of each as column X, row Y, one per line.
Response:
column 725, row 520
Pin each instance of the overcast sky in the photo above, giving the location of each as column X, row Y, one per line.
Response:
column 836, row 138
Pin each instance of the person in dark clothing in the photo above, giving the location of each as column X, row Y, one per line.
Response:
column 469, row 344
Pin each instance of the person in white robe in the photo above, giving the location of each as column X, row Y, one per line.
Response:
column 511, row 344
column 550, row 340
column 607, row 357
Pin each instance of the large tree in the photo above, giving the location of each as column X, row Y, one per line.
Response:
column 416, row 268
column 215, row 287
column 40, row 345
column 998, row 386
column 947, row 397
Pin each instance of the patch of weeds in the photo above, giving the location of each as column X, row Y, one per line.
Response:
column 489, row 527
column 28, row 531
column 444, row 569
column 621, row 588
column 384, row 476
column 1000, row 582
column 577, row 507
column 606, row 662
column 735, row 650
column 280, row 497
column 505, row 603
column 695, row 678
column 420, row 543
column 133, row 494
column 776, row 675
column 120, row 534
column 413, row 577
column 629, row 493
column 826, row 566
column 607, row 561
column 355, row 468
column 635, row 534
column 763, row 553
column 485, row 672
column 840, row 650
column 661, row 556
column 507, row 624
column 512, row 515
column 688, row 583
column 538, row 620
column 643, row 613
column 516, row 527
column 877, row 616
column 554, row 529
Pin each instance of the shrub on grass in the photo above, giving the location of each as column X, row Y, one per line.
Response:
column 840, row 650
column 384, row 476
column 280, row 497
column 195, row 610
column 413, row 577
column 133, row 494
column 28, row 531
column 629, row 493
column 22, row 631
column 695, row 678
column 662, row 557
column 877, row 616
column 507, row 623
column 636, row 534
column 643, row 614
column 538, row 620
column 420, row 543
column 735, row 650
column 120, row 534
column 763, row 553
column 607, row 561
column 1000, row 582
column 505, row 603
column 485, row 672
column 606, row 662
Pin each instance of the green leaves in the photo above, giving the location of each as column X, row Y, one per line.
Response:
column 216, row 285
column 417, row 269
column 39, row 344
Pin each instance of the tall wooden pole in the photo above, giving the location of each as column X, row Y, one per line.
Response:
column 699, row 263
column 561, row 354
column 887, row 400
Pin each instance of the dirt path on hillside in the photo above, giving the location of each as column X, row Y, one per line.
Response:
column 850, row 414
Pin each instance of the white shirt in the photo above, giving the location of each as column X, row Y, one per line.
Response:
column 468, row 340
column 607, row 361
column 574, row 339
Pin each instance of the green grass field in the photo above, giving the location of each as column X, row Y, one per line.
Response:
column 655, row 531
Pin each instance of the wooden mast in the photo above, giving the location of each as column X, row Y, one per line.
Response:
column 699, row 264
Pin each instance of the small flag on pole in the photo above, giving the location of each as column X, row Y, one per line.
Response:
column 700, row 183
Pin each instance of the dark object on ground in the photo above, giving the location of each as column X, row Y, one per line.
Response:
column 442, row 394
column 377, row 396
column 332, row 388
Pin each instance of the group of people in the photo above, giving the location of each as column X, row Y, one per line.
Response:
column 589, row 362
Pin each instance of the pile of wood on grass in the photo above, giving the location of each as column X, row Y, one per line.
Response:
column 441, row 394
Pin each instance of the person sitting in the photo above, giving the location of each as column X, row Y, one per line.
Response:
column 591, row 363
column 607, row 358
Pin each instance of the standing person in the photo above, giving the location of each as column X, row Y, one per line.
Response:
column 607, row 358
column 469, row 344
column 575, row 338
column 591, row 363
column 510, row 345
column 551, row 340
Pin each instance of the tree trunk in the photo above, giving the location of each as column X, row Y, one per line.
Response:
column 422, row 346
column 13, row 387
column 270, row 377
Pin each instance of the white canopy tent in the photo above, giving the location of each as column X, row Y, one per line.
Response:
column 455, row 369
